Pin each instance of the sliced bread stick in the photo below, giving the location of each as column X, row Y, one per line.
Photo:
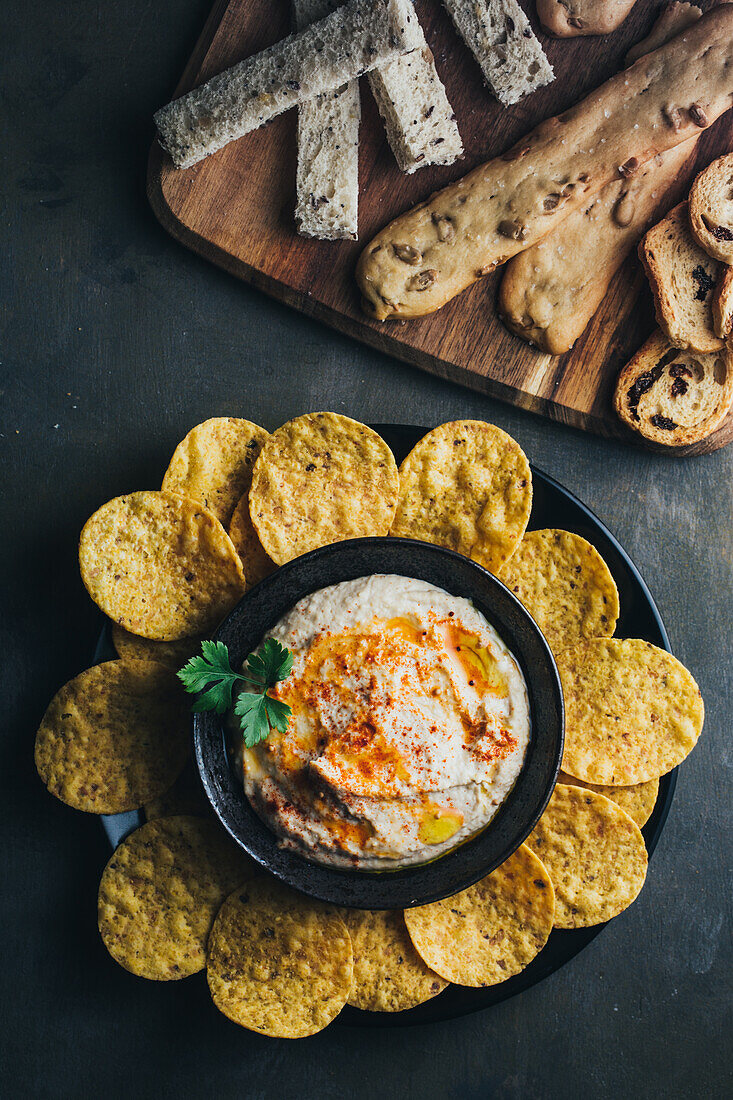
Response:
column 316, row 61
column 327, row 175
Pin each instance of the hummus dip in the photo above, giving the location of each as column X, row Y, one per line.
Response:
column 410, row 725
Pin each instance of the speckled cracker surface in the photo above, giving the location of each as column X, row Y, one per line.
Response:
column 595, row 855
column 213, row 463
column 278, row 963
column 255, row 561
column 321, row 478
column 565, row 585
column 173, row 655
column 466, row 485
column 492, row 930
column 389, row 975
column 114, row 737
column 185, row 796
column 160, row 892
column 632, row 711
column 160, row 565
column 638, row 800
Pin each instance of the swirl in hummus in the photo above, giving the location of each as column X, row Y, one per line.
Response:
column 410, row 725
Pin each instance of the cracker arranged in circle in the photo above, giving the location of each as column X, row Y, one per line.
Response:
column 565, row 585
column 466, row 485
column 632, row 711
column 389, row 975
column 213, row 464
column 114, row 737
column 130, row 647
column 185, row 796
column 321, row 478
column 278, row 963
column 160, row 892
column 638, row 800
column 485, row 934
column 252, row 554
column 594, row 853
column 160, row 565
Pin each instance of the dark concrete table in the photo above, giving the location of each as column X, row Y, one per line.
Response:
column 115, row 341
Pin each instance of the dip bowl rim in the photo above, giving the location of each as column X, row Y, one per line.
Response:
column 264, row 605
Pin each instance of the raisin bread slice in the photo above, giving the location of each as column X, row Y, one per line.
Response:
column 672, row 21
column 682, row 278
column 711, row 209
column 572, row 18
column 419, row 120
column 316, row 61
column 327, row 175
column 674, row 397
column 723, row 305
column 499, row 35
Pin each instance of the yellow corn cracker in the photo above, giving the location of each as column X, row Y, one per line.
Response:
column 638, row 801
column 160, row 892
column 565, row 585
column 160, row 565
column 185, row 796
column 213, row 464
column 492, row 930
column 255, row 561
column 278, row 963
column 173, row 655
column 595, row 855
column 389, row 975
column 321, row 478
column 114, row 737
column 632, row 711
column 466, row 485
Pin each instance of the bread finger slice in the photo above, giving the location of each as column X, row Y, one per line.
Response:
column 572, row 18
column 550, row 292
column 674, row 397
column 682, row 278
column 316, row 61
column 327, row 176
column 711, row 209
column 419, row 120
column 499, row 35
column 723, row 305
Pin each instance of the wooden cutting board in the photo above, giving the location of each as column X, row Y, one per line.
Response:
column 236, row 209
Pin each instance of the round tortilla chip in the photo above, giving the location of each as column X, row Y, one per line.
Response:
column 321, row 478
column 632, row 711
column 278, row 963
column 565, row 585
column 595, row 855
column 160, row 565
column 466, row 485
column 213, row 464
column 389, row 975
column 114, row 737
column 256, row 563
column 160, row 892
column 492, row 930
column 185, row 796
column 638, row 801
column 173, row 655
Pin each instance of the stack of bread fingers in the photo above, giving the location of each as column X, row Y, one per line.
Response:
column 317, row 69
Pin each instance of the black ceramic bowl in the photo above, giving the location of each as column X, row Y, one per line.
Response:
column 261, row 609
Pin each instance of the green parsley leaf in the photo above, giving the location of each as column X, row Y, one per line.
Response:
column 213, row 679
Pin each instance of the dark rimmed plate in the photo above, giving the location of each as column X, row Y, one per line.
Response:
column 553, row 506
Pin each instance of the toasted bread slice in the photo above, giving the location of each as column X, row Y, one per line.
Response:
column 682, row 277
column 723, row 305
column 674, row 397
column 711, row 209
column 672, row 21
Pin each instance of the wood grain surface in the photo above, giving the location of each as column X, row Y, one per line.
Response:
column 236, row 209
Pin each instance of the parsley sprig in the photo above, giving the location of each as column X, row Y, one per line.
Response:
column 212, row 678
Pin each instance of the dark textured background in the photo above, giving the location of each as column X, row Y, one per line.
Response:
column 114, row 341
